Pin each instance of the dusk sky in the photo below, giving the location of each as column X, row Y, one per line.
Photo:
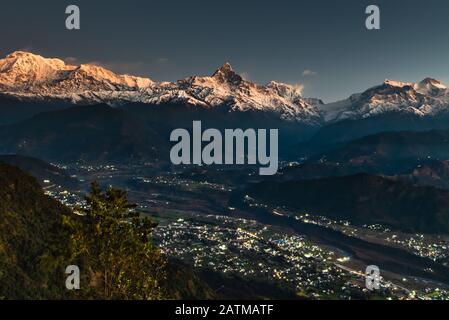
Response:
column 264, row 40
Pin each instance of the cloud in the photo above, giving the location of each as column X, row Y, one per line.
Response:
column 298, row 86
column 71, row 60
column 162, row 60
column 245, row 76
column 309, row 73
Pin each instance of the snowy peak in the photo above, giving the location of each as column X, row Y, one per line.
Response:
column 398, row 84
column 430, row 86
column 226, row 74
column 433, row 82
column 285, row 90
column 424, row 98
column 226, row 87
column 21, row 60
column 29, row 73
column 23, row 68
column 225, row 69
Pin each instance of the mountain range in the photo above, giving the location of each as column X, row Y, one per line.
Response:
column 27, row 76
column 30, row 77
column 362, row 199
column 83, row 133
column 60, row 112
column 428, row 97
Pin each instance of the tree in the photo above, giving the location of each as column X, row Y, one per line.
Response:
column 112, row 244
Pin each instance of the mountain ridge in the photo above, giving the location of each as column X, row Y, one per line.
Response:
column 362, row 199
column 424, row 98
column 27, row 76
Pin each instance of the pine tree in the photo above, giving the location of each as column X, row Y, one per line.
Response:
column 112, row 244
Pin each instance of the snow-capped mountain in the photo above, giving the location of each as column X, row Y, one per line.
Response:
column 29, row 76
column 426, row 98
column 29, row 73
column 227, row 88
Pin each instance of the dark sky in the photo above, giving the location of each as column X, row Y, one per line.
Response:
column 264, row 40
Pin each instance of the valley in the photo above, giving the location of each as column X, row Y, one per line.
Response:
column 359, row 182
column 201, row 223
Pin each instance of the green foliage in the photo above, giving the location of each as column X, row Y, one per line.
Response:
column 33, row 242
column 112, row 244
column 108, row 240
